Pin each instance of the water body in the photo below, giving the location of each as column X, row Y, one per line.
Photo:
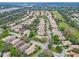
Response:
column 14, row 4
column 8, row 9
column 40, row 4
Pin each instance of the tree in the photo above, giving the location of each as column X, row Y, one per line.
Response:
column 32, row 34
column 14, row 51
column 4, row 27
column 55, row 39
column 59, row 49
column 49, row 46
column 4, row 34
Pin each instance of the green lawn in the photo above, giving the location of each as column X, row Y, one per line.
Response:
column 4, row 34
column 57, row 16
column 14, row 51
column 73, row 31
column 63, row 25
column 2, row 45
column 8, row 47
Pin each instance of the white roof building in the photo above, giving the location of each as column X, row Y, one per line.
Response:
column 26, row 32
column 17, row 28
column 30, row 50
column 54, row 27
column 66, row 43
column 41, row 29
column 25, row 46
column 15, row 41
column 19, row 44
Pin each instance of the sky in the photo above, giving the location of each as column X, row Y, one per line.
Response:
column 39, row 0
